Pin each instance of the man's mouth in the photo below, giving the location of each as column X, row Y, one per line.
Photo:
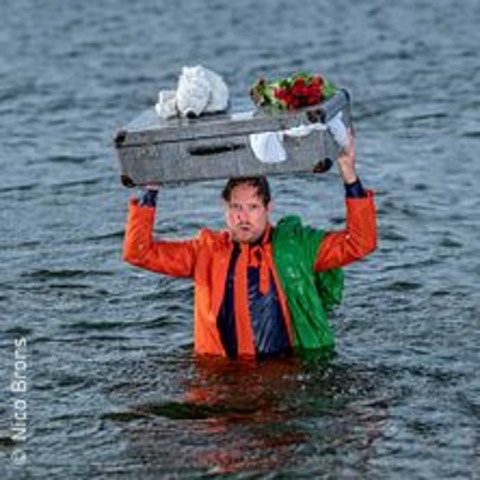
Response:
column 244, row 227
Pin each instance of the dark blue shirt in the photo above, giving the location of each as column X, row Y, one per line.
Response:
column 268, row 323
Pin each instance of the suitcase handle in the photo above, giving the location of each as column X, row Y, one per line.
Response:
column 332, row 106
column 206, row 150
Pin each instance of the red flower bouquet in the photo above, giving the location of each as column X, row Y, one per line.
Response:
column 297, row 91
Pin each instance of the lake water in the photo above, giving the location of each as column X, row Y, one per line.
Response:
column 104, row 370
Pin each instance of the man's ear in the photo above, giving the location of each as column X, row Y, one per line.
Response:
column 270, row 206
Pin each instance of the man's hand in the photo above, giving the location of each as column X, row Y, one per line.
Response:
column 346, row 161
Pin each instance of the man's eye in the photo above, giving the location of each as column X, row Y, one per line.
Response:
column 236, row 207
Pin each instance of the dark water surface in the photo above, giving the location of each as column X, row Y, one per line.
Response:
column 112, row 388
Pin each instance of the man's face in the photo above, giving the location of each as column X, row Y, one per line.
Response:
column 245, row 214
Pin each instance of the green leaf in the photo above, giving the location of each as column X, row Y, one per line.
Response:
column 329, row 89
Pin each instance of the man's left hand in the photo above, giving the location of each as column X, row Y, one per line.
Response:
column 346, row 161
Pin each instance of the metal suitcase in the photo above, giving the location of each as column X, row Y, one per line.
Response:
column 155, row 151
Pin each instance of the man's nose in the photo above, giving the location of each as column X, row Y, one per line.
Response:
column 242, row 214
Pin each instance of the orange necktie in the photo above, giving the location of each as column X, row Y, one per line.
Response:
column 257, row 258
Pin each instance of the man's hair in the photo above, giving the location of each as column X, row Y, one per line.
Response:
column 260, row 183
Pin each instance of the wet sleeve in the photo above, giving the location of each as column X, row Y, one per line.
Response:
column 355, row 242
column 148, row 198
column 355, row 190
column 175, row 258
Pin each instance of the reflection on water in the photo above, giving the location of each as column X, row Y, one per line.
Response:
column 293, row 414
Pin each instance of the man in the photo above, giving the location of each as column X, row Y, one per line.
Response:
column 260, row 290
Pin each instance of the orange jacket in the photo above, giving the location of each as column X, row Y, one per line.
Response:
column 206, row 260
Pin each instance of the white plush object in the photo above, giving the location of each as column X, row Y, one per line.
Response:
column 166, row 106
column 199, row 91
column 219, row 95
column 193, row 92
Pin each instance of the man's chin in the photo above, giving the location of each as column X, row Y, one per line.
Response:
column 244, row 237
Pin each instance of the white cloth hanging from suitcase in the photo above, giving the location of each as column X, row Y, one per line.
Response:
column 268, row 146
